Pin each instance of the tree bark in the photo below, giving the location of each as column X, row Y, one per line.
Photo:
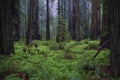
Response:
column 32, row 31
column 76, row 21
column 95, row 26
column 105, row 26
column 16, row 21
column 35, row 35
column 114, row 18
column 70, row 18
column 47, row 22
column 30, row 22
column 6, row 26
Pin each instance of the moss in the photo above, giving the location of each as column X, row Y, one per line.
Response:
column 85, row 41
column 93, row 45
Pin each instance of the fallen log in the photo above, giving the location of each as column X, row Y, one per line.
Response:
column 101, row 47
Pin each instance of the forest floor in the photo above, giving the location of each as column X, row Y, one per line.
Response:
column 48, row 60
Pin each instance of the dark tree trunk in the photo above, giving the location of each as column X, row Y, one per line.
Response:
column 78, row 38
column 64, row 11
column 35, row 28
column 30, row 22
column 95, row 27
column 32, row 31
column 47, row 22
column 105, row 26
column 58, row 30
column 114, row 16
column 6, row 34
column 76, row 21
column 16, row 21
column 86, row 21
column 70, row 18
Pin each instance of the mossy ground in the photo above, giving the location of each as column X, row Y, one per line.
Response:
column 49, row 60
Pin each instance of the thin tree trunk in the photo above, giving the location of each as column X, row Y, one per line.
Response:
column 70, row 18
column 47, row 22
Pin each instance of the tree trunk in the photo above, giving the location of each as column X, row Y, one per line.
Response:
column 47, row 22
column 59, row 15
column 30, row 22
column 16, row 21
column 76, row 21
column 35, row 28
column 32, row 31
column 70, row 19
column 105, row 26
column 61, row 23
column 114, row 16
column 95, row 27
column 6, row 34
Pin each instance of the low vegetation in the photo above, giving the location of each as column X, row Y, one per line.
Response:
column 48, row 60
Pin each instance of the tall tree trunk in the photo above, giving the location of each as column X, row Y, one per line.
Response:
column 58, row 30
column 86, row 20
column 114, row 16
column 47, row 22
column 60, row 37
column 64, row 11
column 95, row 27
column 30, row 22
column 70, row 18
column 105, row 26
column 6, row 34
column 16, row 21
column 76, row 21
column 32, row 31
column 35, row 28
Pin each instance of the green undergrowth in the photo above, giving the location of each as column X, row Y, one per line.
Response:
column 48, row 60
